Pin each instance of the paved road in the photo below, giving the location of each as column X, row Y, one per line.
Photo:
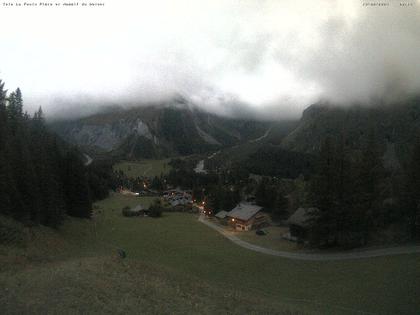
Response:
column 313, row 256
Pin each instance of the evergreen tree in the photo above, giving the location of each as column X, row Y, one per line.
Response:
column 18, row 103
column 347, row 195
column 262, row 196
column 324, row 197
column 370, row 175
column 7, row 187
column 14, row 110
column 156, row 183
column 281, row 205
column 76, row 187
column 411, row 195
column 346, row 215
column 33, row 187
column 101, row 179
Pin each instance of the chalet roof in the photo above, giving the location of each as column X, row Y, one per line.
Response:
column 301, row 216
column 221, row 214
column 177, row 192
column 244, row 211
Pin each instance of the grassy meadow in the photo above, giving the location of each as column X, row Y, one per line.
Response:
column 149, row 168
column 175, row 264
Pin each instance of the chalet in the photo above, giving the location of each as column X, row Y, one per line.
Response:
column 246, row 216
column 299, row 223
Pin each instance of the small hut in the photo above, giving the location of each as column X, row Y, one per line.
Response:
column 136, row 211
column 299, row 223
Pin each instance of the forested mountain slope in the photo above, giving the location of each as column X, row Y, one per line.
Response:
column 42, row 179
column 393, row 126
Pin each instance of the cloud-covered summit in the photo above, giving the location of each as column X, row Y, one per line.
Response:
column 275, row 56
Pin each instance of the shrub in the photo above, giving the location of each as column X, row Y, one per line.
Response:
column 11, row 232
column 126, row 211
column 156, row 209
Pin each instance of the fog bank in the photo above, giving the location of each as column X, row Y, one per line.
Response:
column 273, row 57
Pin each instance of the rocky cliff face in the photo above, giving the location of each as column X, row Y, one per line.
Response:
column 106, row 136
column 395, row 128
column 154, row 131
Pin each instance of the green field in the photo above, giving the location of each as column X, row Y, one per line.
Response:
column 178, row 265
column 149, row 168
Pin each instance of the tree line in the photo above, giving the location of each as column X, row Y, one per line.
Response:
column 355, row 196
column 42, row 179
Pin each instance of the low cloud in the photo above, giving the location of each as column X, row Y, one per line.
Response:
column 273, row 58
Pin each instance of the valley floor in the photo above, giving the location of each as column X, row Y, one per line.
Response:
column 150, row 168
column 176, row 264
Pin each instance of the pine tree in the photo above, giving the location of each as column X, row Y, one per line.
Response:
column 34, row 169
column 411, row 195
column 262, row 194
column 6, row 182
column 324, row 197
column 3, row 118
column 5, row 186
column 370, row 175
column 281, row 205
column 19, row 102
column 346, row 215
column 75, row 187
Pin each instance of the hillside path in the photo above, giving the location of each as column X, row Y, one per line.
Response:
column 314, row 256
column 89, row 160
column 265, row 135
column 147, row 170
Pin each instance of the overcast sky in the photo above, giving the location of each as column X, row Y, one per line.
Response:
column 275, row 56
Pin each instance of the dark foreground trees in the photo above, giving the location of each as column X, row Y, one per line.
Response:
column 156, row 209
column 410, row 195
column 41, row 179
column 355, row 196
column 347, row 192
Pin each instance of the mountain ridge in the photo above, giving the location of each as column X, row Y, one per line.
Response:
column 394, row 127
column 175, row 128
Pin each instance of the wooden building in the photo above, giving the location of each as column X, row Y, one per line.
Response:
column 245, row 217
column 299, row 223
